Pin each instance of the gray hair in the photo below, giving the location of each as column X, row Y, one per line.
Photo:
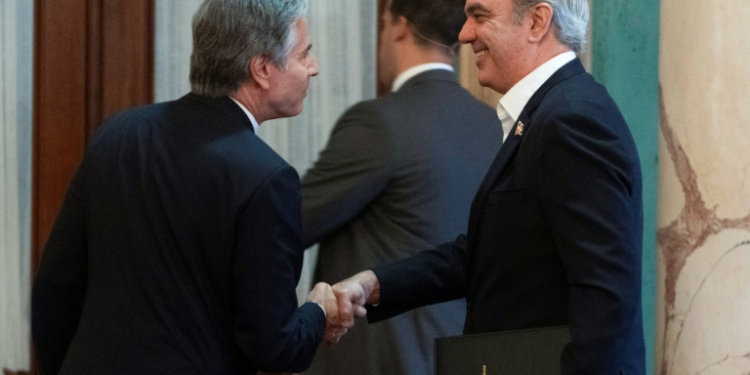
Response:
column 569, row 20
column 227, row 34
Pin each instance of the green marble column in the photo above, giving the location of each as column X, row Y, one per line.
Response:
column 625, row 59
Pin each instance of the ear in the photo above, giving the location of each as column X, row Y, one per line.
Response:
column 260, row 70
column 541, row 21
column 401, row 28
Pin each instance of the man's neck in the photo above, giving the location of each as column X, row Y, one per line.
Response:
column 251, row 99
column 414, row 71
column 416, row 55
column 546, row 53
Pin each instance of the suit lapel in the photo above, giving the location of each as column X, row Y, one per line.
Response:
column 508, row 149
column 501, row 160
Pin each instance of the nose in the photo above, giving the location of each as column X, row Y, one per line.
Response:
column 313, row 68
column 467, row 34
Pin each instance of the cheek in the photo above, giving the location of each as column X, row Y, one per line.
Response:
column 498, row 49
column 492, row 35
column 304, row 76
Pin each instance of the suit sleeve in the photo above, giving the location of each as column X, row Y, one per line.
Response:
column 590, row 194
column 429, row 277
column 351, row 171
column 270, row 329
column 60, row 283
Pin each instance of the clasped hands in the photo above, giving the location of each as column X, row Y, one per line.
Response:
column 344, row 302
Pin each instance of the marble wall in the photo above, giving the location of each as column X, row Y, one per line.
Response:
column 704, row 196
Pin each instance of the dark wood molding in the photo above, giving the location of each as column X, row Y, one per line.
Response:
column 94, row 55
column 93, row 58
column 126, row 43
column 59, row 108
column 8, row 372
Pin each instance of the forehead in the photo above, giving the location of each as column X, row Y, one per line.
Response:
column 486, row 5
column 303, row 38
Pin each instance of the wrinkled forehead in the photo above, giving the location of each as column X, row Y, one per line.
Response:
column 473, row 6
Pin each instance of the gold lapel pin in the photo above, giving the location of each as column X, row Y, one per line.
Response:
column 519, row 128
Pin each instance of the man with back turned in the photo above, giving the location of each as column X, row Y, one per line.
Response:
column 397, row 176
column 178, row 247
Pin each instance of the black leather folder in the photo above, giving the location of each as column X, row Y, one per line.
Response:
column 524, row 352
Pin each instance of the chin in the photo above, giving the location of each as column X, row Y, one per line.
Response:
column 295, row 111
column 488, row 82
column 483, row 81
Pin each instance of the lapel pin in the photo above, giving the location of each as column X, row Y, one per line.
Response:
column 519, row 128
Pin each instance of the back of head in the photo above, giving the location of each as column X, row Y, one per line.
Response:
column 434, row 22
column 228, row 33
column 569, row 20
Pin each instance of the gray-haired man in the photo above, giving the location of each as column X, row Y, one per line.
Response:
column 555, row 230
column 179, row 245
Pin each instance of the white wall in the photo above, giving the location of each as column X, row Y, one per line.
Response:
column 16, row 47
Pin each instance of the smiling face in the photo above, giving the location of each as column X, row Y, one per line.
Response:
column 498, row 41
column 288, row 84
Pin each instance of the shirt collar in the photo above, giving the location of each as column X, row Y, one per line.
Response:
column 516, row 98
column 249, row 115
column 413, row 71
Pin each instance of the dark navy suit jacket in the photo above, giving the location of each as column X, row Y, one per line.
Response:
column 177, row 251
column 554, row 234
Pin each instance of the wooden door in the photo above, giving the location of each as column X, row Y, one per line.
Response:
column 92, row 59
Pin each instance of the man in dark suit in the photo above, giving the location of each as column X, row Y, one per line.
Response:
column 397, row 176
column 555, row 230
column 179, row 246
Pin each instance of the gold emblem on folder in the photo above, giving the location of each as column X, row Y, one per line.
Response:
column 519, row 128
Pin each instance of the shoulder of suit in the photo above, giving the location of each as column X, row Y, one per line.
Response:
column 126, row 121
column 574, row 92
column 366, row 112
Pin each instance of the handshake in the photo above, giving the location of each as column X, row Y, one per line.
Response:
column 345, row 301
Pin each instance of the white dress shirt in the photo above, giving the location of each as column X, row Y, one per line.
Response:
column 511, row 104
column 250, row 115
column 414, row 70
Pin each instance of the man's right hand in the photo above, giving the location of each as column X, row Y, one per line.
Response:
column 354, row 293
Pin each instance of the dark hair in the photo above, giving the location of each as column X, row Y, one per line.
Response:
column 433, row 20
